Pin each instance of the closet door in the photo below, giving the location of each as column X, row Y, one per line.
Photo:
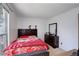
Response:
column 4, row 16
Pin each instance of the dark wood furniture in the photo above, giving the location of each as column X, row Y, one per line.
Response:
column 52, row 39
column 27, row 32
column 78, row 52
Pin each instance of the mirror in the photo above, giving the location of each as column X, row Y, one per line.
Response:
column 53, row 28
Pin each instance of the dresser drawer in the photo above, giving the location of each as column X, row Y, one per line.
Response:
column 52, row 40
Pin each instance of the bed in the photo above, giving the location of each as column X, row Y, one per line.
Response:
column 27, row 44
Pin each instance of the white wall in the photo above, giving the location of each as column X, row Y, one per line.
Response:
column 67, row 29
column 41, row 25
column 78, row 31
column 12, row 27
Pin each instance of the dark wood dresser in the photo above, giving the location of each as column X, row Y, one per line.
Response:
column 52, row 40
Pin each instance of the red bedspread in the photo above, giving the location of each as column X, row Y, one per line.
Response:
column 25, row 45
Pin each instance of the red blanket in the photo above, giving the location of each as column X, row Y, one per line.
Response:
column 25, row 45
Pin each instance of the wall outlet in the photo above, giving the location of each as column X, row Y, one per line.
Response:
column 61, row 43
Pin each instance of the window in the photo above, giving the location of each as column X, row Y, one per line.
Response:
column 4, row 28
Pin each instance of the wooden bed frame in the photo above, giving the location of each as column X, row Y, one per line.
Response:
column 30, row 32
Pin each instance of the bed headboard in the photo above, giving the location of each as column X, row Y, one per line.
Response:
column 27, row 32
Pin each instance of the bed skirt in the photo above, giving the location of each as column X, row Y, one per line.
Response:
column 36, row 53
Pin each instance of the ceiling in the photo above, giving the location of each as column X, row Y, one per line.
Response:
column 42, row 10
